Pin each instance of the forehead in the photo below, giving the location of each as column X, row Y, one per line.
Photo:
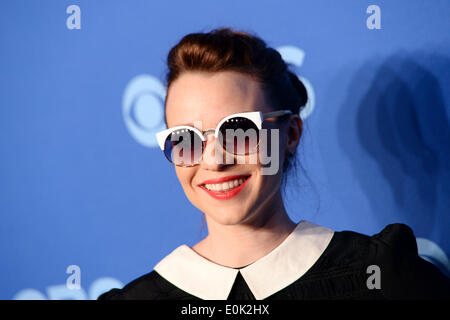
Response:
column 209, row 97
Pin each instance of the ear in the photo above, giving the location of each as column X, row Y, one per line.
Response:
column 294, row 133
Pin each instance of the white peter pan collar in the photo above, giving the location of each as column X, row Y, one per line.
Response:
column 194, row 274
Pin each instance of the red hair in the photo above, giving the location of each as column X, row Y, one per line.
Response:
column 224, row 49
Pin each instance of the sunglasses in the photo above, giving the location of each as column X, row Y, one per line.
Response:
column 238, row 134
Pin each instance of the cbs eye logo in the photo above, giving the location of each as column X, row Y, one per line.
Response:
column 143, row 101
column 143, row 109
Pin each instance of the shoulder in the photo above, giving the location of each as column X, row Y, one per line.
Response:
column 394, row 255
column 150, row 286
column 351, row 245
column 397, row 237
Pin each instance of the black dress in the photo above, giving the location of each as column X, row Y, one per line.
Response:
column 312, row 263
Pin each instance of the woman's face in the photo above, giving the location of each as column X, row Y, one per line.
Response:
column 205, row 98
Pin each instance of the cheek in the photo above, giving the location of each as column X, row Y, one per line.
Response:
column 185, row 176
column 263, row 184
column 271, row 182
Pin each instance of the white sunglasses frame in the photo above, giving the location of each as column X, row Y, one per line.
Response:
column 257, row 117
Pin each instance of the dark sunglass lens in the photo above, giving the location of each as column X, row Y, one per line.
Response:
column 183, row 147
column 239, row 135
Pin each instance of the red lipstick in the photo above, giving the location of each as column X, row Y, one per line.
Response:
column 224, row 179
column 220, row 195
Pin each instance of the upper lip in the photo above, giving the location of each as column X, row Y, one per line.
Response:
column 224, row 179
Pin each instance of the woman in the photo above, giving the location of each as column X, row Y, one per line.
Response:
column 230, row 97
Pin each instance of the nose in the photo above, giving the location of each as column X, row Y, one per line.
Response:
column 212, row 158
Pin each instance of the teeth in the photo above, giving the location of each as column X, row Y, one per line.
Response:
column 225, row 186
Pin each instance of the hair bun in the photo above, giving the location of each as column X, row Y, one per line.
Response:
column 300, row 88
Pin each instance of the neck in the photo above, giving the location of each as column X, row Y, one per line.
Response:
column 241, row 244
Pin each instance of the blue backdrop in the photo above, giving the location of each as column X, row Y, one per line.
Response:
column 83, row 183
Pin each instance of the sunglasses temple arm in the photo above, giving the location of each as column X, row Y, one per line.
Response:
column 276, row 114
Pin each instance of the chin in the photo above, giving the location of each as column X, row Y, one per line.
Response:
column 226, row 216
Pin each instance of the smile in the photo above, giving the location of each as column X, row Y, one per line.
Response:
column 225, row 188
